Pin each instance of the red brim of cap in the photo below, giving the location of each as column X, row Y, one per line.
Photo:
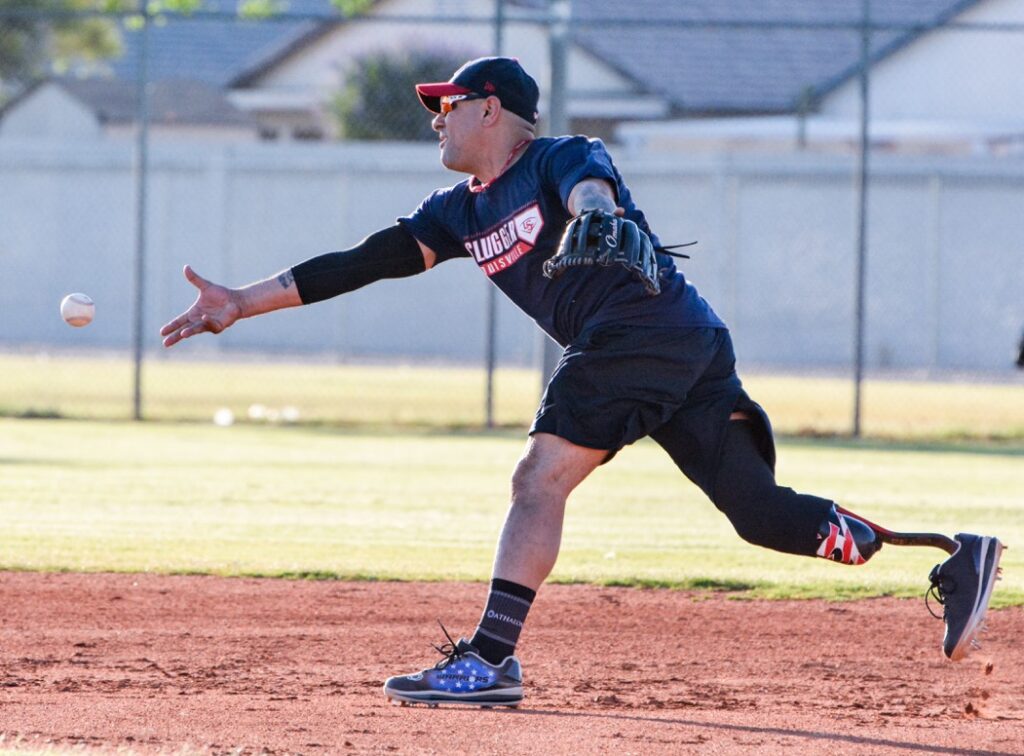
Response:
column 430, row 94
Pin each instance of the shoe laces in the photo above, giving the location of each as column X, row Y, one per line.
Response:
column 941, row 586
column 450, row 650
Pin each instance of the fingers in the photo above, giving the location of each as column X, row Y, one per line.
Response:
column 182, row 331
column 195, row 279
column 174, row 325
column 182, row 328
column 195, row 320
column 172, row 339
column 188, row 318
column 187, row 324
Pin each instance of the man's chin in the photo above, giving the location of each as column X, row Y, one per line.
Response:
column 452, row 163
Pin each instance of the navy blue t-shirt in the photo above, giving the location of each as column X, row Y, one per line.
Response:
column 513, row 225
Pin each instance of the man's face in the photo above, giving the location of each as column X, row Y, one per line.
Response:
column 459, row 131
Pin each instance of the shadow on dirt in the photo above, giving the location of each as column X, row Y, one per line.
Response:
column 831, row 737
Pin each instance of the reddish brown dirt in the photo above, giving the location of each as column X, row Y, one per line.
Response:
column 153, row 664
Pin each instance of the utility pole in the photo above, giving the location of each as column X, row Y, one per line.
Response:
column 558, row 124
column 862, row 213
column 141, row 182
column 491, row 341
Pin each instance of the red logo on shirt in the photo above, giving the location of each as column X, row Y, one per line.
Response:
column 502, row 247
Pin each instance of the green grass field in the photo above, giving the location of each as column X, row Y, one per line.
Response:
column 449, row 397
column 419, row 504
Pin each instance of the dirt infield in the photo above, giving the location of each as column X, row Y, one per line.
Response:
column 153, row 664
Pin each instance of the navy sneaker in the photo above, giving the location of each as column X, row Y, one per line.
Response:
column 461, row 677
column 963, row 585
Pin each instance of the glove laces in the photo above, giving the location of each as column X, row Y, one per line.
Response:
column 665, row 250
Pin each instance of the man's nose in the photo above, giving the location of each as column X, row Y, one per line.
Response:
column 438, row 122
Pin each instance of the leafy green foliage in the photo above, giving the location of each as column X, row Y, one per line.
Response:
column 351, row 8
column 378, row 100
column 40, row 37
column 43, row 37
column 258, row 9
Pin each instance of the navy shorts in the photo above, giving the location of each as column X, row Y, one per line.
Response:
column 616, row 384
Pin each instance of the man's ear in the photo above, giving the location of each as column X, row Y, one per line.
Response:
column 490, row 112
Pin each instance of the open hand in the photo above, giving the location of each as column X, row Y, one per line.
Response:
column 214, row 310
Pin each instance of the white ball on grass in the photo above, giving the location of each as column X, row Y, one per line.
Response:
column 223, row 417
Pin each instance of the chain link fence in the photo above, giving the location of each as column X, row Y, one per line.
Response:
column 851, row 170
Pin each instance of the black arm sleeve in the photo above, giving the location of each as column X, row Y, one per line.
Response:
column 391, row 253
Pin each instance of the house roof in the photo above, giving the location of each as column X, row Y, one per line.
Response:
column 171, row 101
column 218, row 51
column 745, row 69
column 706, row 70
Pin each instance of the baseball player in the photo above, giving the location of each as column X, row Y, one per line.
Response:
column 552, row 223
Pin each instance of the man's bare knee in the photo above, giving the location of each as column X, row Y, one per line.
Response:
column 533, row 480
column 552, row 467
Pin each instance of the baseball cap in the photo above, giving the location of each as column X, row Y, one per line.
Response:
column 503, row 78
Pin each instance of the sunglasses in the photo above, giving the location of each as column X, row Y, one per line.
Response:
column 448, row 102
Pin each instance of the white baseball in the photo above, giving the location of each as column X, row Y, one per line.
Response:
column 77, row 309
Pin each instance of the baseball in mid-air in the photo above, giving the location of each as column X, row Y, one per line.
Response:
column 77, row 309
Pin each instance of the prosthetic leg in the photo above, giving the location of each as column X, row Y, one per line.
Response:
column 962, row 584
column 852, row 539
column 884, row 535
column 779, row 518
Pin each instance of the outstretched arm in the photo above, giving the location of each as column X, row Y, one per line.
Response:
column 390, row 253
column 218, row 307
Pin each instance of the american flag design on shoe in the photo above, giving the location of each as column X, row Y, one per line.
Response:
column 462, row 677
column 467, row 674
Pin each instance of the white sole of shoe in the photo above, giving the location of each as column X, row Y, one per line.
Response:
column 510, row 697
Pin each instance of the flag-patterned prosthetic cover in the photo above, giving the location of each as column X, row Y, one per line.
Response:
column 844, row 538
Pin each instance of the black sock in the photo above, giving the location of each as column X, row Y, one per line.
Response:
column 502, row 621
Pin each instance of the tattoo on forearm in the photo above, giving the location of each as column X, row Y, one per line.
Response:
column 594, row 197
column 286, row 279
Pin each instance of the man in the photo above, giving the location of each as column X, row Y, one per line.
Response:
column 644, row 355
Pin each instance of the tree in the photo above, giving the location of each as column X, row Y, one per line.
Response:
column 375, row 101
column 38, row 37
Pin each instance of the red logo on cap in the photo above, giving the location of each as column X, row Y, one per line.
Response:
column 489, row 87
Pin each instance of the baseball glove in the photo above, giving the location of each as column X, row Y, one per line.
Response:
column 597, row 237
